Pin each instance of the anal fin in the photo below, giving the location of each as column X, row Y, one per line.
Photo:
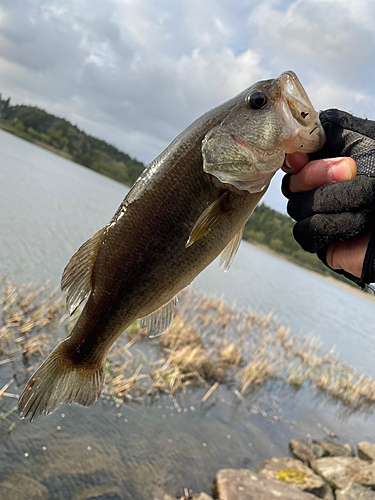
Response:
column 229, row 252
column 209, row 219
column 160, row 320
column 76, row 278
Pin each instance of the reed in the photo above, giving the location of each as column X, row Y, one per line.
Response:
column 209, row 343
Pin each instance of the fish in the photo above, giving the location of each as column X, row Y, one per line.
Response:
column 188, row 207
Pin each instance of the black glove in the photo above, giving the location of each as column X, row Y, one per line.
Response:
column 340, row 210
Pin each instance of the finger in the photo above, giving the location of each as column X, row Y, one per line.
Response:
column 355, row 195
column 321, row 230
column 319, row 172
column 348, row 255
column 294, row 162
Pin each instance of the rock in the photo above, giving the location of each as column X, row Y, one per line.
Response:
column 204, row 496
column 295, row 472
column 350, row 449
column 355, row 492
column 335, row 450
column 366, row 450
column 305, row 451
column 340, row 471
column 244, row 484
column 20, row 487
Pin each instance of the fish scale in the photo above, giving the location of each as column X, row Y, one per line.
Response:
column 187, row 207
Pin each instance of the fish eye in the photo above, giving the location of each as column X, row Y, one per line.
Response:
column 257, row 100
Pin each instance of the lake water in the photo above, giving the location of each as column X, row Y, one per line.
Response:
column 49, row 207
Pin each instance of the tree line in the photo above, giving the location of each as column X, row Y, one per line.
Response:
column 38, row 126
column 274, row 230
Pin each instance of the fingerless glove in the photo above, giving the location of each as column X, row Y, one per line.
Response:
column 340, row 210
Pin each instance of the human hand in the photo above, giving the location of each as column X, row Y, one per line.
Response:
column 307, row 175
column 335, row 219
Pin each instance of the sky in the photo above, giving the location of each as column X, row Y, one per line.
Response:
column 136, row 73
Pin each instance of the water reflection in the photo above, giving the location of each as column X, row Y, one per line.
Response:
column 135, row 450
column 96, row 450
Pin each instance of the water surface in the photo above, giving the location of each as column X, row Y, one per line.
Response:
column 49, row 206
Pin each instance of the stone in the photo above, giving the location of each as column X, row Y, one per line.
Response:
column 305, row 451
column 244, row 484
column 334, row 449
column 203, row 496
column 294, row 472
column 340, row 471
column 366, row 451
column 350, row 449
column 355, row 492
column 20, row 487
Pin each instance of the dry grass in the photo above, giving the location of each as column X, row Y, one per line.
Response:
column 180, row 334
column 209, row 343
column 25, row 312
column 230, row 355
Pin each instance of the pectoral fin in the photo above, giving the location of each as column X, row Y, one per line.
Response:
column 229, row 252
column 160, row 320
column 76, row 278
column 209, row 219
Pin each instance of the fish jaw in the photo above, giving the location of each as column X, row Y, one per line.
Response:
column 299, row 116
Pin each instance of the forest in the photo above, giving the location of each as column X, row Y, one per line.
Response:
column 273, row 230
column 38, row 126
column 266, row 227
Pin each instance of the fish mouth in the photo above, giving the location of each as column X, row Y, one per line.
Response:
column 299, row 116
column 316, row 128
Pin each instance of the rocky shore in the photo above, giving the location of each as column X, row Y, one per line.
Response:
column 320, row 469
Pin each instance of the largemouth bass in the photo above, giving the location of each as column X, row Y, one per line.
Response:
column 188, row 206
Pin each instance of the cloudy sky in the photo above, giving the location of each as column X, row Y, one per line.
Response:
column 137, row 72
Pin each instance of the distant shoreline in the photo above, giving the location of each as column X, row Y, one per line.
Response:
column 27, row 137
column 349, row 288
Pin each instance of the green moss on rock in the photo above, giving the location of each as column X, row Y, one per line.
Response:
column 292, row 475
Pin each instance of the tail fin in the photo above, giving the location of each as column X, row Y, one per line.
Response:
column 56, row 381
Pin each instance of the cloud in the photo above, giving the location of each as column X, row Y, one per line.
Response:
column 136, row 73
column 131, row 72
column 335, row 37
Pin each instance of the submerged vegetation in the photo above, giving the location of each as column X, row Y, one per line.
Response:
column 209, row 343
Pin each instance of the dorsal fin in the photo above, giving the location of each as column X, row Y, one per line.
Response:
column 76, row 278
column 209, row 218
column 160, row 320
column 229, row 252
